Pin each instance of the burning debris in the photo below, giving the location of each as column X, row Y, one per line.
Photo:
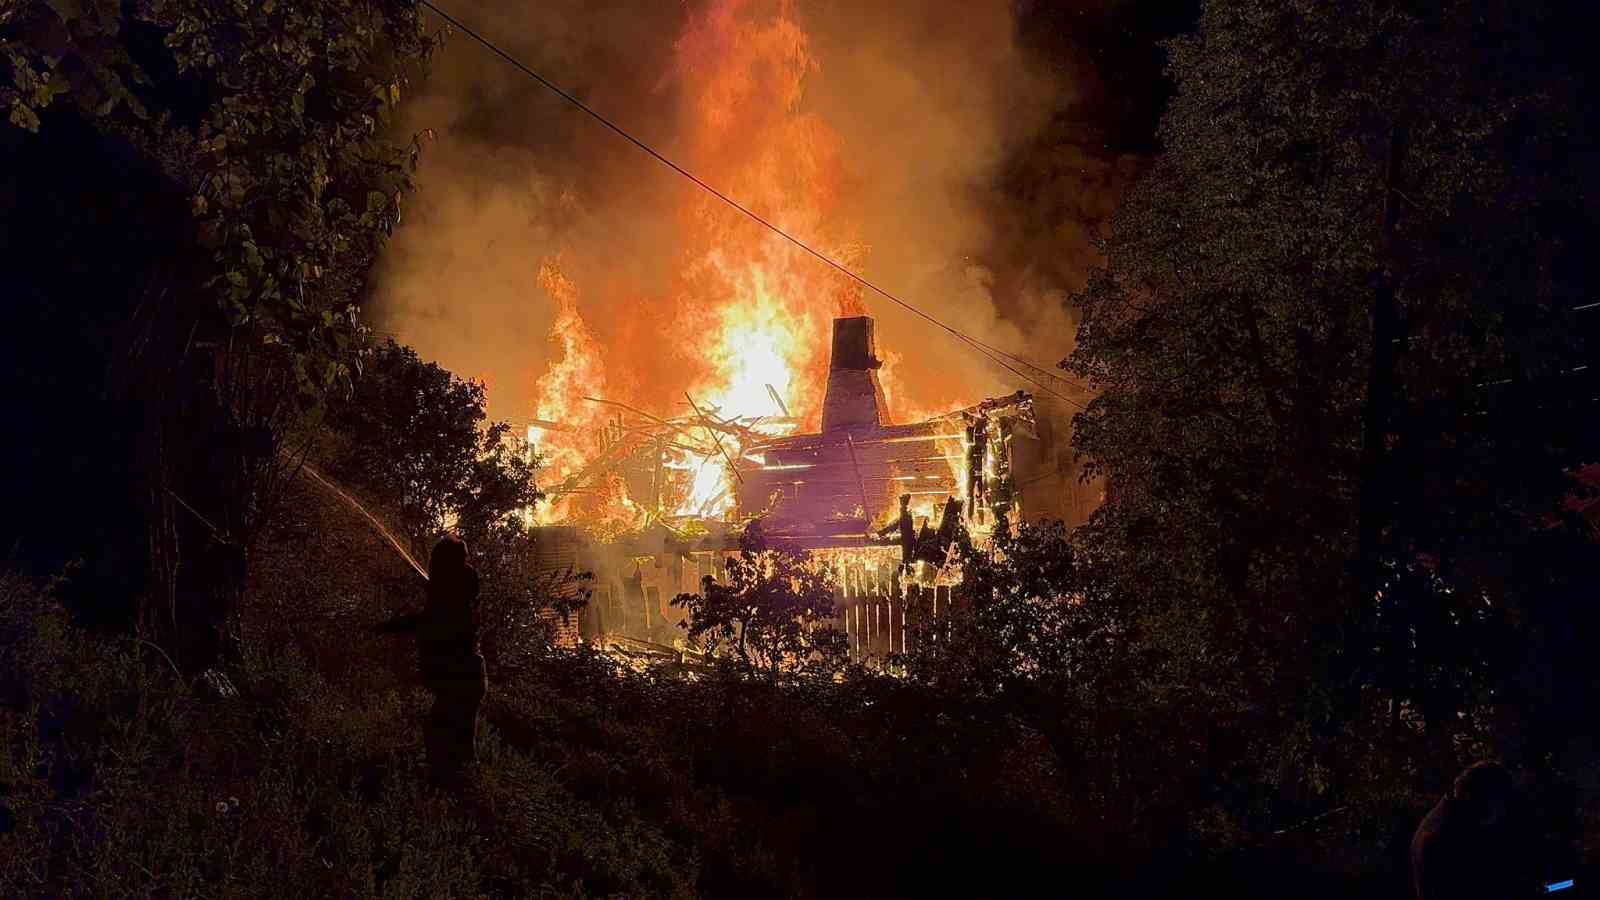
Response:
column 838, row 485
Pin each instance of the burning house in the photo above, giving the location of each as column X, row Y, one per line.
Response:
column 692, row 381
column 880, row 503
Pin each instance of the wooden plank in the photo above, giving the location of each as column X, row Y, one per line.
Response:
column 865, row 455
column 939, row 469
column 868, row 437
column 866, row 505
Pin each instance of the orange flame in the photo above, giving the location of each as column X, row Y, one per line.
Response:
column 575, row 372
column 747, row 319
column 760, row 305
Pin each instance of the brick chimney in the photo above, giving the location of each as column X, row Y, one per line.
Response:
column 855, row 398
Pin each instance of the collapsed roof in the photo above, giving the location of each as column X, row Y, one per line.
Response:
column 852, row 483
column 844, row 485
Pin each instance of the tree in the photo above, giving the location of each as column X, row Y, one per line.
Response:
column 416, row 438
column 1032, row 638
column 1019, row 618
column 521, row 609
column 265, row 118
column 771, row 614
column 1340, row 368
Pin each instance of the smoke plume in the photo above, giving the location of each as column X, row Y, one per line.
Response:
column 930, row 150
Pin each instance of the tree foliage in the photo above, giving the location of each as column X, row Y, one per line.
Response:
column 771, row 613
column 1021, row 620
column 1331, row 322
column 1034, row 639
column 417, row 439
column 269, row 115
column 266, row 118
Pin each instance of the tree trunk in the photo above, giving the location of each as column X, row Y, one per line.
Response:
column 200, row 556
column 203, row 474
column 1375, row 500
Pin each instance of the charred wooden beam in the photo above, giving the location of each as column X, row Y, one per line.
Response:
column 640, row 413
column 546, row 424
column 717, row 440
column 866, row 508
column 773, row 393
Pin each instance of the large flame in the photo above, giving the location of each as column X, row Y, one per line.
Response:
column 760, row 305
column 747, row 320
column 576, row 372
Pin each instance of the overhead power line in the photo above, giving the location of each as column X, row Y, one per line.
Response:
column 993, row 354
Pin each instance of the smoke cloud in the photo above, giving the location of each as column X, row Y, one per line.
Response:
column 944, row 161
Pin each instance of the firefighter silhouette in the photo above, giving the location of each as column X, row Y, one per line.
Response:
column 449, row 659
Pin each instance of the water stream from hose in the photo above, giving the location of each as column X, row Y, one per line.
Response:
column 356, row 505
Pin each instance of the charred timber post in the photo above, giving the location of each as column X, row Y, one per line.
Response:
column 908, row 534
column 782, row 406
column 948, row 524
column 977, row 448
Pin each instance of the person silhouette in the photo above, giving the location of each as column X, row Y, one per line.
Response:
column 449, row 659
column 1466, row 847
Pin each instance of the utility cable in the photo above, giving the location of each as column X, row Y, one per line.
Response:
column 994, row 354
